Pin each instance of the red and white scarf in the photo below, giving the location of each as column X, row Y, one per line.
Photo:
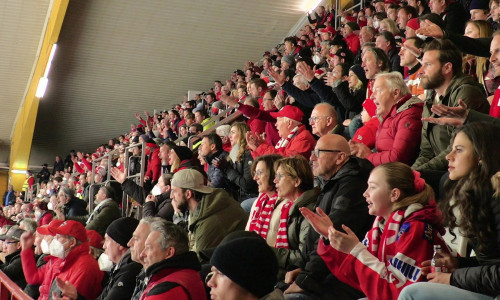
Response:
column 387, row 232
column 282, row 237
column 261, row 217
column 282, row 143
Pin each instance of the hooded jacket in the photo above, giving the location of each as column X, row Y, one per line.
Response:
column 175, row 278
column 436, row 139
column 216, row 215
column 398, row 135
column 382, row 269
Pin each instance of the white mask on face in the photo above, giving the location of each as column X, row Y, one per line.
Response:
column 422, row 37
column 50, row 206
column 316, row 59
column 376, row 24
column 56, row 249
column 45, row 247
column 156, row 191
column 105, row 264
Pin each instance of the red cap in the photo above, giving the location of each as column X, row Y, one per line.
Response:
column 413, row 24
column 95, row 239
column 328, row 29
column 289, row 111
column 45, row 229
column 71, row 228
column 370, row 107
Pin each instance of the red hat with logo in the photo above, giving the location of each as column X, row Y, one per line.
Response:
column 45, row 229
column 413, row 24
column 329, row 29
column 71, row 228
column 289, row 111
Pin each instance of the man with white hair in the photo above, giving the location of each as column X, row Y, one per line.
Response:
column 399, row 132
column 223, row 132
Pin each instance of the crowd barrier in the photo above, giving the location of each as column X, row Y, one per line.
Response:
column 10, row 291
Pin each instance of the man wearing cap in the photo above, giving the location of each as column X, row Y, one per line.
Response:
column 327, row 33
column 122, row 277
column 172, row 271
column 11, row 253
column 251, row 254
column 74, row 262
column 213, row 213
column 295, row 138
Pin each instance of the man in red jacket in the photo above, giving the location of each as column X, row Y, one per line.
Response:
column 295, row 138
column 171, row 269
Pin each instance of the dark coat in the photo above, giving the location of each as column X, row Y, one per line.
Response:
column 240, row 177
column 161, row 208
column 121, row 280
column 75, row 207
column 14, row 269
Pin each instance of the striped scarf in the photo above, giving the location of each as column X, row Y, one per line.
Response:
column 282, row 143
column 372, row 241
column 262, row 215
column 282, row 238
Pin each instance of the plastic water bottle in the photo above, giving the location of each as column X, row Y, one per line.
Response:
column 437, row 266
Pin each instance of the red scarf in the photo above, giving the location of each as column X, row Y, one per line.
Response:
column 262, row 214
column 282, row 238
column 282, row 143
column 387, row 233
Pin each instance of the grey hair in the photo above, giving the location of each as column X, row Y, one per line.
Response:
column 29, row 225
column 301, row 79
column 69, row 192
column 395, row 81
column 171, row 236
column 223, row 130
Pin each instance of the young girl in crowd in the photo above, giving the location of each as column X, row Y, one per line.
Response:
column 472, row 206
column 403, row 235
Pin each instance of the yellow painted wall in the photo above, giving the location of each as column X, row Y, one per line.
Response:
column 25, row 125
column 4, row 183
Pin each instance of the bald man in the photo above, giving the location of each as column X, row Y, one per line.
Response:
column 342, row 179
column 324, row 120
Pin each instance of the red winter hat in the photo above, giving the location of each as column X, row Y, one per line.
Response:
column 71, row 228
column 370, row 107
column 95, row 239
column 329, row 29
column 289, row 111
column 413, row 24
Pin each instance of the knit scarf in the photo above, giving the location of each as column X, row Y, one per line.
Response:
column 385, row 232
column 283, row 142
column 262, row 215
column 282, row 237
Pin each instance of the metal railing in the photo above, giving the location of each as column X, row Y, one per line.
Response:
column 10, row 290
column 338, row 7
column 139, row 178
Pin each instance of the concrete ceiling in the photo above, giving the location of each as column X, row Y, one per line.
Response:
column 118, row 57
column 22, row 24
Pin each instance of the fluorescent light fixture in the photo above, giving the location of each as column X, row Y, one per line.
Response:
column 42, row 86
column 19, row 171
column 310, row 5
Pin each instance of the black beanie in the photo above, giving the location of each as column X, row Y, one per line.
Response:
column 248, row 262
column 121, row 230
column 183, row 152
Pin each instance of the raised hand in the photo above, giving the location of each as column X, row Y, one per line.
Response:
column 343, row 242
column 320, row 221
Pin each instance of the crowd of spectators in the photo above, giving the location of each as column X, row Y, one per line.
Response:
column 329, row 169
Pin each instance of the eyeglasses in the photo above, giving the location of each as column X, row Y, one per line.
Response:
column 317, row 151
column 11, row 242
column 315, row 119
column 259, row 173
column 279, row 176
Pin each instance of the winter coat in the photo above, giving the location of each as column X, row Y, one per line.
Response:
column 177, row 278
column 103, row 216
column 33, row 289
column 353, row 43
column 154, row 166
column 436, row 139
column 342, row 200
column 45, row 218
column 381, row 270
column 302, row 143
column 13, row 268
column 240, row 177
column 121, row 282
column 75, row 207
column 297, row 231
column 251, row 112
column 216, row 215
column 161, row 208
column 79, row 268
column 216, row 175
column 398, row 135
column 351, row 101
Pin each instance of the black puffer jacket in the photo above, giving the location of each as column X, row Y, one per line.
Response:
column 239, row 175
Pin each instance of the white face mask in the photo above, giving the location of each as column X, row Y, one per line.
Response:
column 422, row 37
column 45, row 247
column 105, row 264
column 376, row 24
column 156, row 191
column 316, row 59
column 56, row 249
column 50, row 206
column 342, row 19
column 38, row 214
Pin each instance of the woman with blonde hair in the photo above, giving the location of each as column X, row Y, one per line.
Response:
column 238, row 171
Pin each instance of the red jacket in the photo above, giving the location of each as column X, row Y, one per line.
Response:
column 182, row 271
column 79, row 268
column 383, row 268
column 272, row 136
column 154, row 165
column 366, row 133
column 353, row 43
column 45, row 218
column 302, row 143
column 495, row 104
column 399, row 133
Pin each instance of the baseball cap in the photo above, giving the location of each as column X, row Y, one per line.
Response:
column 191, row 179
column 289, row 111
column 71, row 228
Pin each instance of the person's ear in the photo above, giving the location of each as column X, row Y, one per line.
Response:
column 395, row 194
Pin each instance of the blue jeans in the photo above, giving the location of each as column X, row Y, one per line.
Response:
column 438, row 291
column 247, row 204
